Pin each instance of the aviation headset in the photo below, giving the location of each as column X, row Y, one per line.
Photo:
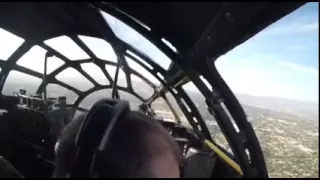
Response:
column 95, row 132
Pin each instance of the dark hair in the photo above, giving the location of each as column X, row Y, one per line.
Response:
column 133, row 144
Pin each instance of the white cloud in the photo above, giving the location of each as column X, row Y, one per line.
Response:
column 300, row 68
column 311, row 26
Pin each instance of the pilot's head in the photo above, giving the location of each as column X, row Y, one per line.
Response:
column 142, row 148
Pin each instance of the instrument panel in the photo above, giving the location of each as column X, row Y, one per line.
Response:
column 32, row 125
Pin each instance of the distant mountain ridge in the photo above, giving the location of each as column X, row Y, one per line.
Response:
column 307, row 110
column 299, row 108
column 303, row 109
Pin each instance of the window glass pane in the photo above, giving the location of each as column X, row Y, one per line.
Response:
column 67, row 47
column 135, row 39
column 34, row 60
column 101, row 48
column 75, row 79
column 139, row 59
column 122, row 81
column 275, row 76
column 135, row 66
column 133, row 101
column 199, row 101
column 162, row 109
column 54, row 90
column 88, row 101
column 8, row 44
column 141, row 88
column 95, row 72
column 17, row 80
column 106, row 93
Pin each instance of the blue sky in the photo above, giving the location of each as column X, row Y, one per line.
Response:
column 281, row 61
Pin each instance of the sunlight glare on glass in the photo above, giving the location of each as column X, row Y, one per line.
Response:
column 169, row 44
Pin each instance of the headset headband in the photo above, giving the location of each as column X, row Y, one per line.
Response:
column 95, row 132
